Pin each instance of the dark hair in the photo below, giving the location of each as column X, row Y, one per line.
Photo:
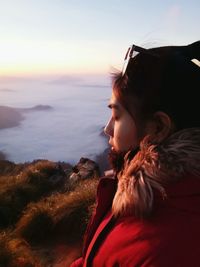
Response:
column 167, row 82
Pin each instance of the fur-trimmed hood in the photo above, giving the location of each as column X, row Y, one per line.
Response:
column 153, row 167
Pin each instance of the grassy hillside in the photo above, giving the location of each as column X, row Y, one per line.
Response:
column 44, row 209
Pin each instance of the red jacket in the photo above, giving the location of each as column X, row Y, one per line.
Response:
column 170, row 238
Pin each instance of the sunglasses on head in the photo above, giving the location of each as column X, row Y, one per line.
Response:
column 132, row 51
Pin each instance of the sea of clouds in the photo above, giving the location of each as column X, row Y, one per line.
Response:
column 70, row 129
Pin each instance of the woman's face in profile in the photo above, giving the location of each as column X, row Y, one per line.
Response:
column 121, row 128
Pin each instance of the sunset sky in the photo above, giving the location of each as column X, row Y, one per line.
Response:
column 44, row 37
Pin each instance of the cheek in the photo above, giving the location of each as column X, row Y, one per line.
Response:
column 125, row 136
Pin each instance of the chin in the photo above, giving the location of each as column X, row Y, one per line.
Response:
column 116, row 158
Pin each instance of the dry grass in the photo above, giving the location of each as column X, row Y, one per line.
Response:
column 8, row 168
column 61, row 216
column 15, row 252
column 44, row 211
column 27, row 184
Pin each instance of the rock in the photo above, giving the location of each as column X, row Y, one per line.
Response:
column 2, row 156
column 102, row 161
column 85, row 169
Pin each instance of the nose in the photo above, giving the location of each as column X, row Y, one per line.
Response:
column 108, row 130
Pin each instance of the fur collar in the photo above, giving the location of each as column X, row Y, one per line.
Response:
column 153, row 167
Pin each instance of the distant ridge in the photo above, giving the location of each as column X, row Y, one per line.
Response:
column 35, row 108
column 11, row 117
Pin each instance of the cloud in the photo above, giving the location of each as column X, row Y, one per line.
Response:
column 7, row 90
column 174, row 12
column 13, row 79
column 173, row 15
column 66, row 79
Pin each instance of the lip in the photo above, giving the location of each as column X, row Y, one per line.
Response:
column 110, row 143
column 111, row 146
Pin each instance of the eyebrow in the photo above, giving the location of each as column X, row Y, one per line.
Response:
column 115, row 106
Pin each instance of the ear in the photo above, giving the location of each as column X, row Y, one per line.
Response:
column 160, row 127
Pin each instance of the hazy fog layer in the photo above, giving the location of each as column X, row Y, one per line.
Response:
column 69, row 129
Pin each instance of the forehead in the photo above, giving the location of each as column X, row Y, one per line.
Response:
column 113, row 99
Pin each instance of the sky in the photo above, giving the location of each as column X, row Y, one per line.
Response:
column 65, row 37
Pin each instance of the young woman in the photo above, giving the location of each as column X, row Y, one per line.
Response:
column 148, row 212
